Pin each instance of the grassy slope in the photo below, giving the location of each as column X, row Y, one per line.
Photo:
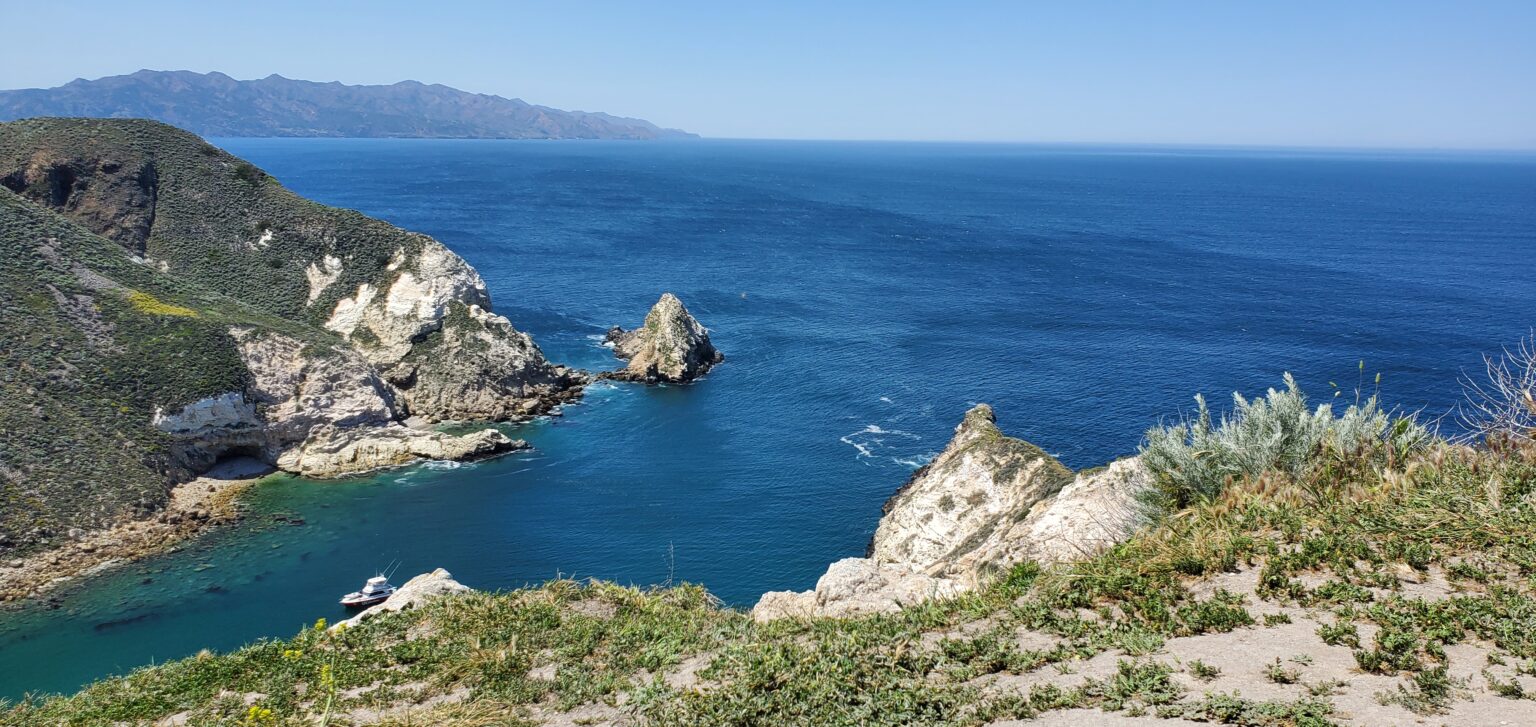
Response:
column 1337, row 542
column 211, row 211
column 94, row 344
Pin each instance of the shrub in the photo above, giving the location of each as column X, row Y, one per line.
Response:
column 248, row 172
column 1197, row 459
column 1503, row 405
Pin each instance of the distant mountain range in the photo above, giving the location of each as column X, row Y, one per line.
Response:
column 213, row 104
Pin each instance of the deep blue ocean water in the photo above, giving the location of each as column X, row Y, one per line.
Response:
column 865, row 295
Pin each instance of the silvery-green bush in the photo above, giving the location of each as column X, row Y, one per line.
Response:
column 1196, row 458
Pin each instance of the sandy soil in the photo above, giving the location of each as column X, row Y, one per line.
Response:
column 1244, row 657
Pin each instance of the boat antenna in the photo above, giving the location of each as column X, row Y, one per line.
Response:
column 394, row 565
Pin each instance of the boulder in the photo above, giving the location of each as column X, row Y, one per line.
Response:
column 855, row 586
column 670, row 347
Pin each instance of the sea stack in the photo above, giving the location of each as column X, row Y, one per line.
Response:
column 671, row 346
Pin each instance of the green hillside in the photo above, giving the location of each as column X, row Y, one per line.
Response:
column 95, row 343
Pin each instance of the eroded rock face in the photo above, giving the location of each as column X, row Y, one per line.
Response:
column 327, row 413
column 671, row 346
column 986, row 503
column 412, row 303
column 1097, row 510
column 416, row 592
column 299, row 388
column 431, row 334
column 206, row 417
column 112, row 195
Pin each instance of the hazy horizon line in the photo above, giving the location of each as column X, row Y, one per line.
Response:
column 1171, row 145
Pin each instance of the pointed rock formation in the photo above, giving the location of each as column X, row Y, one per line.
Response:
column 670, row 347
column 986, row 503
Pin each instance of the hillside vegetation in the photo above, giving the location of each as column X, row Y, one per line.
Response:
column 1342, row 588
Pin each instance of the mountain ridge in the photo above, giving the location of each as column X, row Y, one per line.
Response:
column 216, row 104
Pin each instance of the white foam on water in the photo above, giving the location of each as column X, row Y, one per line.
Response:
column 873, row 437
column 875, row 429
column 914, row 462
column 848, row 439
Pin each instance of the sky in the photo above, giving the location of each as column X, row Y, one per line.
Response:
column 1402, row 74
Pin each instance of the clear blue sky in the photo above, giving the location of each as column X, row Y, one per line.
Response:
column 1397, row 74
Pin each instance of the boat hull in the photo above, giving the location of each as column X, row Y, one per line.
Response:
column 364, row 601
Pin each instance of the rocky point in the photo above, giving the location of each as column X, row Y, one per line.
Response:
column 986, row 503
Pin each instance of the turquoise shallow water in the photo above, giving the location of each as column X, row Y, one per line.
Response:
column 865, row 295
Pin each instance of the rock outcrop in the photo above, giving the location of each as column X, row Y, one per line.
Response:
column 671, row 346
column 985, row 504
column 299, row 386
column 416, row 592
column 327, row 413
column 430, row 333
column 332, row 452
column 476, row 366
column 957, row 503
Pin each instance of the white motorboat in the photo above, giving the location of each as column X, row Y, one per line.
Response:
column 374, row 591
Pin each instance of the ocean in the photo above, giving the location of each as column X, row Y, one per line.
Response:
column 865, row 295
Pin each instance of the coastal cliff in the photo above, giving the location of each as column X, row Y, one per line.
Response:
column 985, row 504
column 671, row 346
column 169, row 305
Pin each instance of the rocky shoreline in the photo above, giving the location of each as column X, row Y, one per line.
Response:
column 195, row 506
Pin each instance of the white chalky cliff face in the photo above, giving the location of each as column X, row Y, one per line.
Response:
column 313, row 411
column 985, row 504
column 426, row 325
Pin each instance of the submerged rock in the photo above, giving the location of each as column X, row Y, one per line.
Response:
column 416, row 592
column 986, row 503
column 672, row 346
